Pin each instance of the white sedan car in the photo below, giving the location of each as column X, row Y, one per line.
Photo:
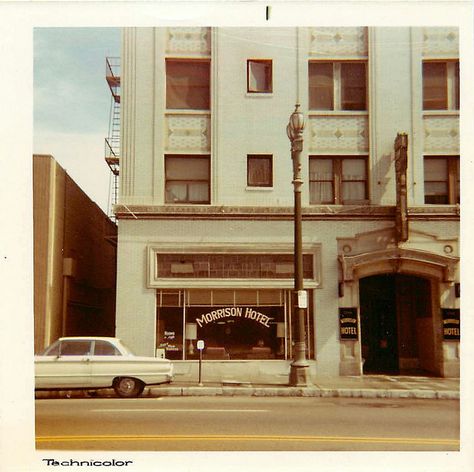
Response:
column 98, row 362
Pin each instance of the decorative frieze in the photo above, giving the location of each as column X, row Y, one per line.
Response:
column 188, row 133
column 440, row 42
column 339, row 42
column 195, row 41
column 333, row 134
column 441, row 134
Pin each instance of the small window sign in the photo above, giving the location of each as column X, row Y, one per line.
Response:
column 200, row 345
column 302, row 299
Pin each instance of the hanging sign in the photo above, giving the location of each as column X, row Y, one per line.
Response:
column 348, row 323
column 451, row 323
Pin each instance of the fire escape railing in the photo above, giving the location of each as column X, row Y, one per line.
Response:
column 112, row 142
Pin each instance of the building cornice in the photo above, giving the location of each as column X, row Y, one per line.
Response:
column 327, row 212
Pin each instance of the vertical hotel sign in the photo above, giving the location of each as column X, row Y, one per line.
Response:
column 401, row 161
column 348, row 323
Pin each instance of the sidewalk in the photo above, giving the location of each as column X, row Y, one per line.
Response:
column 367, row 386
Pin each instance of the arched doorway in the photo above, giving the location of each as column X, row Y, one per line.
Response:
column 396, row 316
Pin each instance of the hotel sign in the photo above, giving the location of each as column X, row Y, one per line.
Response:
column 234, row 312
column 451, row 324
column 348, row 323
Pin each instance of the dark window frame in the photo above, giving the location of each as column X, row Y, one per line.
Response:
column 337, row 180
column 189, row 62
column 252, row 157
column 452, row 196
column 188, row 201
column 337, row 91
column 268, row 73
column 451, row 85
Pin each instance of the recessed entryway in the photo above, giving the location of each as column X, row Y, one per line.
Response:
column 397, row 332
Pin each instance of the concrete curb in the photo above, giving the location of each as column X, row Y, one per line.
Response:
column 206, row 391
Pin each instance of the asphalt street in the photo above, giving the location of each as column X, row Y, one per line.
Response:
column 247, row 424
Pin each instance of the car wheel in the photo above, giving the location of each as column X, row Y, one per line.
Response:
column 127, row 387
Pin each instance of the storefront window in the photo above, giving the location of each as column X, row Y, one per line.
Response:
column 234, row 324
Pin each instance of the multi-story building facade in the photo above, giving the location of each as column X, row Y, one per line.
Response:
column 75, row 254
column 205, row 211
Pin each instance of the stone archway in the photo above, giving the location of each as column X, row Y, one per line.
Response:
column 375, row 254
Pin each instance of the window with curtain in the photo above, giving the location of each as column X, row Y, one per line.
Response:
column 442, row 180
column 259, row 170
column 259, row 76
column 187, row 179
column 337, row 180
column 441, row 85
column 188, row 84
column 337, row 85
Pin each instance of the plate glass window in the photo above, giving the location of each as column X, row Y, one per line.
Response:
column 337, row 86
column 187, row 179
column 188, row 84
column 259, row 76
column 259, row 170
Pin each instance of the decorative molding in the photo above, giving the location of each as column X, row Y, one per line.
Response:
column 397, row 258
column 338, row 42
column 134, row 210
column 331, row 134
column 225, row 248
column 441, row 134
column 187, row 133
column 440, row 42
column 185, row 41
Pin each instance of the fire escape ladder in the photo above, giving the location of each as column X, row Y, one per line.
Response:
column 112, row 142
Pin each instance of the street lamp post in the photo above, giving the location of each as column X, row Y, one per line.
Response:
column 299, row 372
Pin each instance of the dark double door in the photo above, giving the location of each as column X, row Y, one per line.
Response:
column 394, row 313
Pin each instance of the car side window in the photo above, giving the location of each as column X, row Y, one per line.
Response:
column 104, row 348
column 75, row 348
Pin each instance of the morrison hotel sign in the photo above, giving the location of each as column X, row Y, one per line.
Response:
column 237, row 312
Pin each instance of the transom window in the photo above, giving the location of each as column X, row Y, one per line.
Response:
column 337, row 85
column 442, row 180
column 259, row 76
column 441, row 85
column 188, row 84
column 259, row 170
column 231, row 266
column 337, row 180
column 187, row 179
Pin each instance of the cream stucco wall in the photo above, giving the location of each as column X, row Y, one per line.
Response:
column 240, row 123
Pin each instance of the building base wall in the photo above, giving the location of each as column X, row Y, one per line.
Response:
column 254, row 372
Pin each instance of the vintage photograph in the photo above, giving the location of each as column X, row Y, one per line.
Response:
column 246, row 238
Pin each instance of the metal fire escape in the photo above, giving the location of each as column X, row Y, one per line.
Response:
column 112, row 142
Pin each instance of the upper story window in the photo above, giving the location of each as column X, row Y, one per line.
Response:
column 187, row 84
column 442, row 180
column 187, row 179
column 337, row 180
column 259, row 76
column 259, row 170
column 441, row 85
column 337, row 86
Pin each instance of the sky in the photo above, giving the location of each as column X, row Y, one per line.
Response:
column 72, row 102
